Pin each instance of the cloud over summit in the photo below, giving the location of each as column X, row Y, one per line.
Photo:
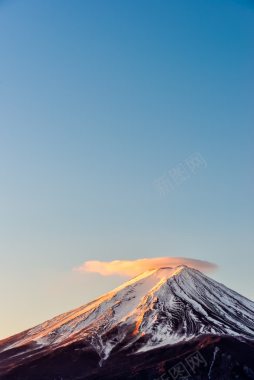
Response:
column 130, row 268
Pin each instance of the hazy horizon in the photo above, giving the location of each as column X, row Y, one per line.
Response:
column 126, row 133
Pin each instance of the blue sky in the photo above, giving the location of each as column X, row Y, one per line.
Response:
column 98, row 100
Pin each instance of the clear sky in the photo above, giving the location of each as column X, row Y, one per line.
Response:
column 98, row 101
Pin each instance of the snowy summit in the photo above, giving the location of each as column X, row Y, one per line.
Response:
column 157, row 308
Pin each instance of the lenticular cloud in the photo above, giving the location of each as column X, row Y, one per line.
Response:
column 131, row 268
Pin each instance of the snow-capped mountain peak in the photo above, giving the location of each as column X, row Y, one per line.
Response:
column 156, row 308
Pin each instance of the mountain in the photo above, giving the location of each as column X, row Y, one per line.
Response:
column 164, row 323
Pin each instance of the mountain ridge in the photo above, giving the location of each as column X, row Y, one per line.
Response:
column 158, row 308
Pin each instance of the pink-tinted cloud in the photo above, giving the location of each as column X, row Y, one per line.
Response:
column 130, row 268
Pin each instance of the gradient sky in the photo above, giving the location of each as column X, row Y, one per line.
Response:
column 99, row 99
